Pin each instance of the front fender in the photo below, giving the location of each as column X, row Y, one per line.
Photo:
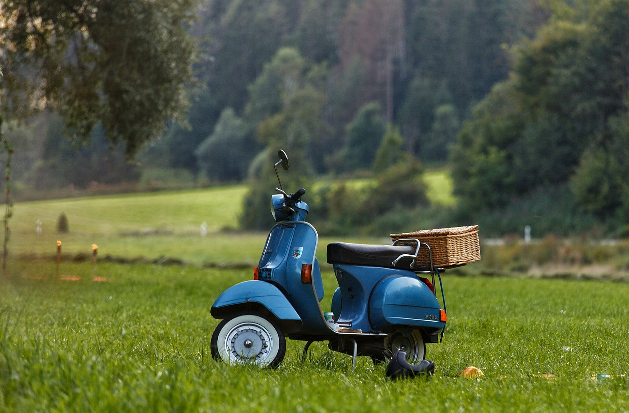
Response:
column 254, row 294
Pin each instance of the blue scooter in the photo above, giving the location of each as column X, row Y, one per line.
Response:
column 383, row 302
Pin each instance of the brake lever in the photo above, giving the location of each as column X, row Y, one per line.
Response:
column 281, row 191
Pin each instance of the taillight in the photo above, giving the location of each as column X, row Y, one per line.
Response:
column 443, row 317
column 428, row 283
column 306, row 274
column 256, row 273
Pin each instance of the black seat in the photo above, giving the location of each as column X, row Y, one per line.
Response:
column 371, row 255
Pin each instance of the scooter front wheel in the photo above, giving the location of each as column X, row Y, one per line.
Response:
column 248, row 338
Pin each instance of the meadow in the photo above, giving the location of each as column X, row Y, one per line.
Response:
column 138, row 339
column 102, row 336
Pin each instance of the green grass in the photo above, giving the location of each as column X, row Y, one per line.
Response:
column 149, row 225
column 440, row 187
column 140, row 342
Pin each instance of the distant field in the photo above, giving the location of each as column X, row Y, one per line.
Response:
column 157, row 224
column 440, row 187
column 148, row 224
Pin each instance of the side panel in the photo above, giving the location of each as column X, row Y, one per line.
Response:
column 404, row 301
column 356, row 283
column 305, row 297
column 259, row 292
column 288, row 247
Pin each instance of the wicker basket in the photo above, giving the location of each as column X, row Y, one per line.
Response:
column 451, row 247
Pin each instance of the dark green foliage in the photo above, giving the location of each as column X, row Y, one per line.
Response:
column 548, row 210
column 123, row 65
column 443, row 133
column 315, row 34
column 363, row 137
column 390, row 150
column 225, row 155
column 65, row 164
column 401, row 185
column 559, row 119
column 62, row 224
column 418, row 115
column 600, row 183
column 386, row 207
column 256, row 214
column 176, row 148
column 286, row 106
column 481, row 169
column 461, row 42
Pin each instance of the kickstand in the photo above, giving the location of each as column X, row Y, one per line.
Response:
column 303, row 356
column 355, row 354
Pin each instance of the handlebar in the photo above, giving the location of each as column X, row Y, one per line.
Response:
column 297, row 195
column 292, row 197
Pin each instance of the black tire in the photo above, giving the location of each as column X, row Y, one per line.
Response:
column 248, row 338
column 411, row 341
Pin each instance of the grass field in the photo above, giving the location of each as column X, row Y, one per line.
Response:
column 140, row 341
column 440, row 187
column 151, row 225
column 131, row 225
column 136, row 337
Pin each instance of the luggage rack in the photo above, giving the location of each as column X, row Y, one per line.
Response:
column 416, row 268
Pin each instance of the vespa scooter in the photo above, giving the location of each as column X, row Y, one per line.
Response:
column 382, row 303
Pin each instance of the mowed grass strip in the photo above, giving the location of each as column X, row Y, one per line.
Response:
column 140, row 341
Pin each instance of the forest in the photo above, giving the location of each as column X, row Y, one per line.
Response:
column 523, row 102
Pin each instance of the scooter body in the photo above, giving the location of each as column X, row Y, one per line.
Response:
column 380, row 304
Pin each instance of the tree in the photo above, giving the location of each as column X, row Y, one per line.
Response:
column 558, row 119
column 176, row 148
column 95, row 162
column 124, row 65
column 225, row 154
column 363, row 137
column 286, row 110
column 417, row 115
column 390, row 150
column 373, row 30
column 443, row 133
column 462, row 42
column 242, row 38
column 286, row 105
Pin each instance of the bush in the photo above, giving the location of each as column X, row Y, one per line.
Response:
column 62, row 224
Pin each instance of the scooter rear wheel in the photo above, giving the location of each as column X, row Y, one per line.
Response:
column 248, row 338
column 410, row 341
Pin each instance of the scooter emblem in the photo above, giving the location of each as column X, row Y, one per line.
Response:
column 297, row 252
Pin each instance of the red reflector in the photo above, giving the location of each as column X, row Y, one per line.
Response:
column 256, row 273
column 443, row 316
column 428, row 283
column 306, row 274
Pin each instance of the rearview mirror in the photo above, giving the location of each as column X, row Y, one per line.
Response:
column 283, row 159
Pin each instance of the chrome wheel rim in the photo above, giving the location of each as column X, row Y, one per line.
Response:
column 248, row 342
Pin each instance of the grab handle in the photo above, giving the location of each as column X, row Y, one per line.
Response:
column 414, row 257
